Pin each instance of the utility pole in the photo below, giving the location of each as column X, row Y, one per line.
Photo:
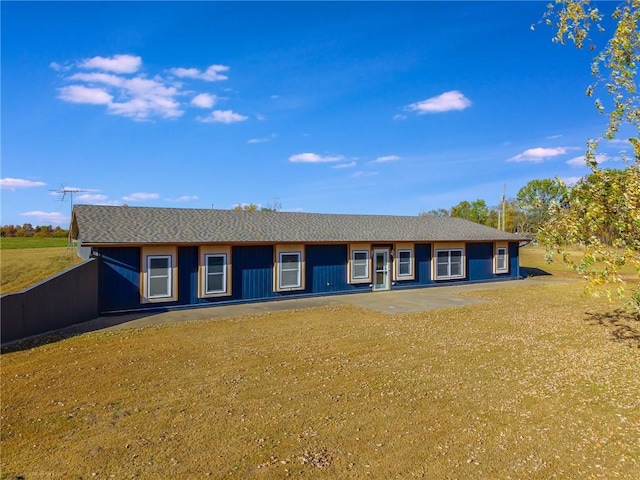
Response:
column 504, row 205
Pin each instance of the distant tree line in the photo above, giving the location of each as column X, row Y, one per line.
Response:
column 28, row 230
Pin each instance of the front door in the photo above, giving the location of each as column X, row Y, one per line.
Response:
column 381, row 269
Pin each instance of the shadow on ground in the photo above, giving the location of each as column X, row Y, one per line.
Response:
column 624, row 325
column 533, row 272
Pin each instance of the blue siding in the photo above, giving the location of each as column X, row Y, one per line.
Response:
column 479, row 261
column 252, row 272
column 119, row 278
column 188, row 275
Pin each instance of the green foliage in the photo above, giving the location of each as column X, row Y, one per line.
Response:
column 604, row 208
column 476, row 211
column 602, row 212
column 535, row 200
column 439, row 212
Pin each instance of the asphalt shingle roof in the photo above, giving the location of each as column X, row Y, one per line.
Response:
column 97, row 224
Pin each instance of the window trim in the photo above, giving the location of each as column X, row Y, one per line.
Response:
column 168, row 276
column 214, row 250
column 458, row 247
column 359, row 248
column 404, row 247
column 496, row 267
column 146, row 254
column 279, row 252
column 281, row 270
column 207, row 273
column 354, row 264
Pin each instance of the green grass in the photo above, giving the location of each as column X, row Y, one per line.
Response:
column 11, row 243
column 534, row 383
column 23, row 267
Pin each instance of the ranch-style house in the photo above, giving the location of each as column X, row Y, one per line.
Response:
column 174, row 257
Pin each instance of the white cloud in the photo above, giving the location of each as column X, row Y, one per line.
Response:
column 47, row 217
column 582, row 162
column 314, row 158
column 82, row 94
column 399, row 117
column 223, row 116
column 345, row 165
column 538, row 154
column 263, row 139
column 362, row 174
column 553, row 137
column 137, row 96
column 211, row 74
column 204, row 100
column 140, row 197
column 117, row 63
column 387, row 158
column 453, row 100
column 183, row 198
column 88, row 197
column 14, row 183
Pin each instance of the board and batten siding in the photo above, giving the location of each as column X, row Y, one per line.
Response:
column 252, row 274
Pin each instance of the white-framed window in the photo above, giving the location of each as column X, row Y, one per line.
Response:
column 405, row 263
column 502, row 260
column 215, row 272
column 449, row 264
column 289, row 270
column 159, row 275
column 159, row 280
column 359, row 263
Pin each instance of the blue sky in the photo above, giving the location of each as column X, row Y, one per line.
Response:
column 337, row 107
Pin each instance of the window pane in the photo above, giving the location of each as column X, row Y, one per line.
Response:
column 158, row 267
column 443, row 270
column 456, row 269
column 360, row 256
column 215, row 283
column 443, row 257
column 502, row 259
column 159, row 287
column 289, row 278
column 215, row 263
column 289, row 261
column 404, row 262
column 360, row 270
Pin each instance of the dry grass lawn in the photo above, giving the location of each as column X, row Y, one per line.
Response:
column 23, row 267
column 537, row 383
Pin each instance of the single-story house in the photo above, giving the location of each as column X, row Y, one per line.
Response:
column 174, row 257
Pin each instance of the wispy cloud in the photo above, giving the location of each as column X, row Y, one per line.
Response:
column 90, row 197
column 119, row 83
column 15, row 183
column 386, row 158
column 553, row 137
column 363, row 174
column 538, row 154
column 314, row 158
column 183, row 198
column 345, row 165
column 82, row 94
column 116, row 63
column 140, row 197
column 581, row 161
column 211, row 74
column 223, row 116
column 263, row 139
column 204, row 100
column 47, row 217
column 452, row 100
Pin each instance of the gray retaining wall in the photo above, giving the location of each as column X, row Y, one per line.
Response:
column 65, row 299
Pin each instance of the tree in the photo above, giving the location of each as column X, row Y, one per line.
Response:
column 476, row 211
column 440, row 212
column 535, row 200
column 608, row 225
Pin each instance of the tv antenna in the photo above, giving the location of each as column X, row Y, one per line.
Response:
column 70, row 192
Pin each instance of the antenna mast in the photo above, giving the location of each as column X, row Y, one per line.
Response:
column 64, row 191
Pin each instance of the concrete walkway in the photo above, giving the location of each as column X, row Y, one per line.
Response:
column 393, row 301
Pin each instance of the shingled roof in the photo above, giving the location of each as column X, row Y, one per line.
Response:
column 103, row 225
